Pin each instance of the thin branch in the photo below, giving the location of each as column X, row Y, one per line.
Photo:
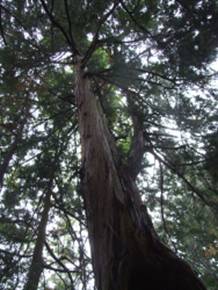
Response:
column 169, row 165
column 59, row 262
column 94, row 43
column 142, row 28
column 31, row 41
column 69, row 20
column 1, row 26
column 156, row 74
column 131, row 78
column 70, row 39
column 162, row 207
column 49, row 267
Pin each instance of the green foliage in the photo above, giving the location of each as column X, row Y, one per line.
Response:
column 100, row 60
column 12, row 233
column 148, row 58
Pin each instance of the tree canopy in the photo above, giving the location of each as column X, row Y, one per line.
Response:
column 152, row 65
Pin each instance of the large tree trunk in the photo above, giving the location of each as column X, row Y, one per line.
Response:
column 126, row 252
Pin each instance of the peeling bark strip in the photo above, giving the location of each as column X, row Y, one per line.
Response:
column 126, row 252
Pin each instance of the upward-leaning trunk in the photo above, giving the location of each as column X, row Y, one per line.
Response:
column 36, row 266
column 126, row 252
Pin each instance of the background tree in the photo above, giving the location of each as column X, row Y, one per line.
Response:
column 137, row 76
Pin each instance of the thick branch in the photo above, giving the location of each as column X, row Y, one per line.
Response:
column 69, row 20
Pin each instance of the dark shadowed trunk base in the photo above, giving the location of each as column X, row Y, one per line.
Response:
column 126, row 251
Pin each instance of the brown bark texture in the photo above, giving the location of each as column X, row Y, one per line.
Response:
column 126, row 251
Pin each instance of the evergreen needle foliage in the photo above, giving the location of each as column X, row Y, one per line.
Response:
column 151, row 67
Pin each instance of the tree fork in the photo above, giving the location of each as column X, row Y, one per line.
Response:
column 126, row 251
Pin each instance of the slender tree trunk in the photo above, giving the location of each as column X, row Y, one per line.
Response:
column 7, row 158
column 36, row 266
column 126, row 252
column 9, row 154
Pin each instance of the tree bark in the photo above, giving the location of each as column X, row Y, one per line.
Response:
column 126, row 251
column 36, row 266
